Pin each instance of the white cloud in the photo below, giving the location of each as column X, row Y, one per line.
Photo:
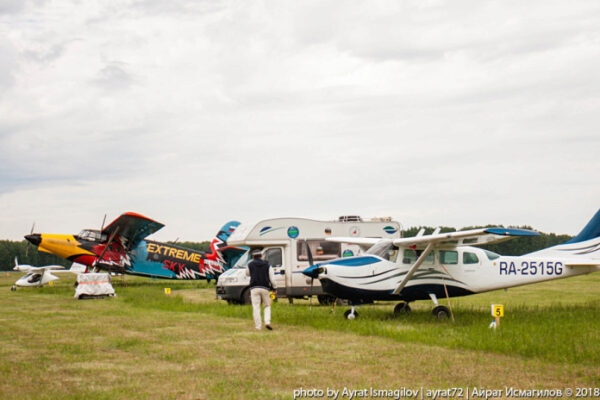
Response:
column 453, row 113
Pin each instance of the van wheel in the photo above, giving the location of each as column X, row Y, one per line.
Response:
column 325, row 299
column 246, row 297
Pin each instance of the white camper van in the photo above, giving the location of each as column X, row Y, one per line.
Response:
column 282, row 241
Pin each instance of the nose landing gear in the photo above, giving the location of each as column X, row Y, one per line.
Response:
column 351, row 314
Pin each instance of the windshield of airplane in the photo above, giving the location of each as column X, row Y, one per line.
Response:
column 491, row 255
column 92, row 235
column 384, row 249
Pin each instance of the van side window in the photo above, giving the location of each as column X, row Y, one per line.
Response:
column 470, row 258
column 320, row 249
column 273, row 256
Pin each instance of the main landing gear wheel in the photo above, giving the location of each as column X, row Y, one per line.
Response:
column 350, row 314
column 401, row 308
column 442, row 313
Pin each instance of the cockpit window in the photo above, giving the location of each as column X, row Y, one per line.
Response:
column 92, row 235
column 491, row 255
column 470, row 258
column 384, row 249
column 410, row 257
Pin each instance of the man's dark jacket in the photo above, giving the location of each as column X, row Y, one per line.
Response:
column 259, row 274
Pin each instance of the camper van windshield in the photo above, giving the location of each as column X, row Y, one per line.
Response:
column 384, row 249
column 243, row 261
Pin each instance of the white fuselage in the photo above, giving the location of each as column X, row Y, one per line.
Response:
column 459, row 271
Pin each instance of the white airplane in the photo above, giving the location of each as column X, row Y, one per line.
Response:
column 446, row 265
column 39, row 276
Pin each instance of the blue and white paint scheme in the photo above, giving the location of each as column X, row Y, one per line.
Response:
column 447, row 265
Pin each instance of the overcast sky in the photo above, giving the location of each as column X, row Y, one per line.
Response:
column 195, row 113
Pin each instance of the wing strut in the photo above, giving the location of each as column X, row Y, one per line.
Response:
column 414, row 268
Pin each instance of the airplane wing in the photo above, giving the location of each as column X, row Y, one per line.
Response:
column 133, row 227
column 470, row 237
column 364, row 243
column 41, row 269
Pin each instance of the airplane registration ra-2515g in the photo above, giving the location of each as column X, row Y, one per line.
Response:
column 121, row 247
column 447, row 265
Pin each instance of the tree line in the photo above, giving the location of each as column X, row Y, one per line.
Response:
column 28, row 254
column 514, row 247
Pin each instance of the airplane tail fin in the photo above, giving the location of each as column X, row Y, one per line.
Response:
column 16, row 264
column 220, row 239
column 591, row 230
column 586, row 243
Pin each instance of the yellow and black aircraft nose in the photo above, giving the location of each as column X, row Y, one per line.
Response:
column 34, row 238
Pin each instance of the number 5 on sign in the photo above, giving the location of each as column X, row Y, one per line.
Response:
column 497, row 310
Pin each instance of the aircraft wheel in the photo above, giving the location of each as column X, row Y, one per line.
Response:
column 401, row 308
column 325, row 299
column 349, row 315
column 13, row 288
column 246, row 297
column 442, row 313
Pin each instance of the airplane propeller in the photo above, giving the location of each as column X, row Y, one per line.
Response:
column 110, row 239
column 28, row 243
column 312, row 278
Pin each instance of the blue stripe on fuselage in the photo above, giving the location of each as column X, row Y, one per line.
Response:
column 355, row 261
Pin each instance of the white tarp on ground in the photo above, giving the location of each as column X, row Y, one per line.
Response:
column 94, row 285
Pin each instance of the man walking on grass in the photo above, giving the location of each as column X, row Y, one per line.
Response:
column 261, row 279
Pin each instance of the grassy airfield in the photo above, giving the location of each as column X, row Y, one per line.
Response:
column 145, row 344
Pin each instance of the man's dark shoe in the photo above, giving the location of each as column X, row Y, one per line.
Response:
column 269, row 327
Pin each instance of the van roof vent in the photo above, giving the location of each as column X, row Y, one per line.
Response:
column 350, row 218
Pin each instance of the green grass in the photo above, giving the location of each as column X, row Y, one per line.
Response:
column 145, row 344
column 555, row 331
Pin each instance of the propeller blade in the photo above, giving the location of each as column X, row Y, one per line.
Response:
column 309, row 253
column 110, row 239
column 27, row 246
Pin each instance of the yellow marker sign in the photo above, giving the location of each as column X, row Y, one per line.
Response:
column 497, row 310
column 167, row 290
column 50, row 283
